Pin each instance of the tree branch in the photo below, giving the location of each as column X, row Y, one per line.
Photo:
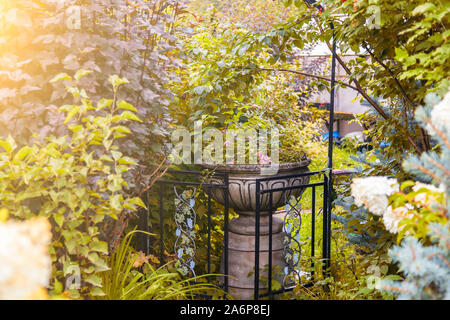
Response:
column 361, row 91
column 309, row 75
column 391, row 73
column 424, row 137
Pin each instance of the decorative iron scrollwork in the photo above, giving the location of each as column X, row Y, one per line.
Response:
column 292, row 223
column 185, row 220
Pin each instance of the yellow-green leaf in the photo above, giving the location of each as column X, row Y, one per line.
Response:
column 22, row 153
column 99, row 246
column 104, row 103
column 59, row 219
column 94, row 280
column 81, row 73
column 72, row 113
column 127, row 115
column 116, row 81
column 137, row 201
column 126, row 106
column 61, row 77
column 9, row 144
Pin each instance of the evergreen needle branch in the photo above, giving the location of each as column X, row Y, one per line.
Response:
column 426, row 171
column 439, row 132
column 437, row 164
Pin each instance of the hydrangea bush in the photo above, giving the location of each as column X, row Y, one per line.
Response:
column 417, row 211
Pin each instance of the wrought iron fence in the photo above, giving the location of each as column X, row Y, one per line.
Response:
column 292, row 223
column 195, row 230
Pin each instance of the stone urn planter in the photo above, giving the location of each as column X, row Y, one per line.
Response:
column 241, row 230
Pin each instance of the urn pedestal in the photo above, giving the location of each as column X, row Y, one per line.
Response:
column 241, row 231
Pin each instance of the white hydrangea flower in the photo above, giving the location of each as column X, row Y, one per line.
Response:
column 440, row 115
column 392, row 217
column 423, row 198
column 373, row 193
column 25, row 264
column 419, row 185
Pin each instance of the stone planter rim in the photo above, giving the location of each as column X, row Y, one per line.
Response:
column 256, row 168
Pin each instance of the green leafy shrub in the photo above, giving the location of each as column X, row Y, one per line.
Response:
column 227, row 85
column 76, row 181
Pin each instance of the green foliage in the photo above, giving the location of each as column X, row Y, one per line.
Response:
column 342, row 288
column 135, row 40
column 252, row 50
column 216, row 84
column 353, row 272
column 128, row 280
column 408, row 51
column 227, row 84
column 76, row 181
column 409, row 37
column 416, row 217
column 235, row 71
column 254, row 15
column 402, row 54
column 423, row 205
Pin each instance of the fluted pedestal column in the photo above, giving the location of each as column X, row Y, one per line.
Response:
column 241, row 254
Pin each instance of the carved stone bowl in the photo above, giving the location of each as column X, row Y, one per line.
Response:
column 242, row 185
